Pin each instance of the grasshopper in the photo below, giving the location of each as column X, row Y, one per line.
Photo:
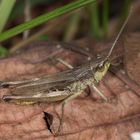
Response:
column 63, row 86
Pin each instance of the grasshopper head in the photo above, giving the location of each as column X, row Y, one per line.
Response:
column 101, row 70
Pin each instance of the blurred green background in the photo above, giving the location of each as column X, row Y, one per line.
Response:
column 99, row 20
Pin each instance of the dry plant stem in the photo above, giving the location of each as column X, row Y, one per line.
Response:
column 127, row 80
column 35, row 36
column 27, row 13
column 77, row 49
column 27, row 41
column 64, row 63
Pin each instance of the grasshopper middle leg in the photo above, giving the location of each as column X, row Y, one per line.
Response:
column 63, row 107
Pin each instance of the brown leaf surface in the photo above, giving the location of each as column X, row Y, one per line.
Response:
column 86, row 117
column 132, row 56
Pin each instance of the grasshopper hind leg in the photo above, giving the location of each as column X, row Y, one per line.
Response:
column 20, row 100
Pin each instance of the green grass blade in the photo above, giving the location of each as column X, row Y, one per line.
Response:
column 5, row 10
column 3, row 51
column 72, row 26
column 105, row 17
column 125, row 10
column 43, row 18
column 94, row 16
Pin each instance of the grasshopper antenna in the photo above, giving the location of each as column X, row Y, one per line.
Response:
column 118, row 36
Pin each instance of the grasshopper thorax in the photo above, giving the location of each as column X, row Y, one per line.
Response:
column 101, row 70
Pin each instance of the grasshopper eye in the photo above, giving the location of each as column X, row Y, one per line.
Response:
column 101, row 67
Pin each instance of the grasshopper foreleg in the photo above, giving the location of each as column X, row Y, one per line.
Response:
column 100, row 93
